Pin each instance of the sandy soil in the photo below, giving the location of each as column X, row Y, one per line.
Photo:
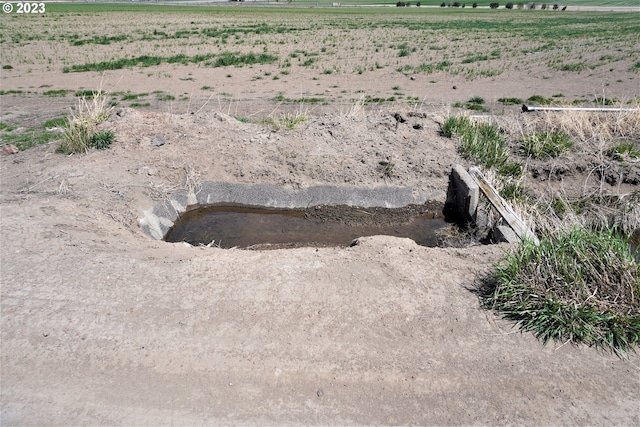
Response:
column 102, row 325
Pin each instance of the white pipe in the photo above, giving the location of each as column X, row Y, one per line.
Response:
column 526, row 109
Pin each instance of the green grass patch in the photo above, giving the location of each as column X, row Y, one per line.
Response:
column 29, row 138
column 227, row 59
column 286, row 121
column 102, row 139
column 544, row 145
column 580, row 286
column 510, row 101
column 89, row 94
column 574, row 67
column 624, row 151
column 55, row 92
column 476, row 58
column 540, row 99
column 313, row 100
column 55, row 123
column 104, row 40
column 474, row 104
column 133, row 96
column 165, row 97
column 482, row 143
column 11, row 92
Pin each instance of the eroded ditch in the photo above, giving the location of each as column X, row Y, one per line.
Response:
column 228, row 225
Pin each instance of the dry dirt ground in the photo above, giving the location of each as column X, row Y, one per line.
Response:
column 102, row 325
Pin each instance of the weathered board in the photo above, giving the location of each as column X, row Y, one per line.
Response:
column 501, row 205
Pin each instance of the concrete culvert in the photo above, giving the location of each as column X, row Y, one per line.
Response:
column 266, row 216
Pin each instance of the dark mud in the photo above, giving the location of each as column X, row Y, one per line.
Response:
column 230, row 225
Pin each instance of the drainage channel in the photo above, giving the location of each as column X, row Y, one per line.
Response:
column 235, row 225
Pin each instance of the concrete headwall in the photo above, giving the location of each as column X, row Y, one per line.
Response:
column 159, row 219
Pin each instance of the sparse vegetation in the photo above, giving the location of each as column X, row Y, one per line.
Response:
column 624, row 151
column 224, row 59
column 27, row 138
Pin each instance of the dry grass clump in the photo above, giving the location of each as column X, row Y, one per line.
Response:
column 82, row 123
column 550, row 215
column 591, row 131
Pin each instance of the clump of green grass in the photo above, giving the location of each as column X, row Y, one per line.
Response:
column 480, row 142
column 286, row 121
column 579, row 286
column 28, row 138
column 55, row 92
column 624, row 151
column 85, row 93
column 81, row 134
column 165, row 97
column 476, row 58
column 510, row 101
column 133, row 96
column 574, row 66
column 548, row 144
column 474, row 104
column 540, row 99
column 102, row 139
column 55, row 123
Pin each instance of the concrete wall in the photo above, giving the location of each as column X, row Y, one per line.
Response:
column 159, row 219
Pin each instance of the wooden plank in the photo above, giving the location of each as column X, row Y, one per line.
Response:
column 505, row 210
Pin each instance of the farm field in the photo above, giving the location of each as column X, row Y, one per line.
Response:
column 251, row 61
column 103, row 325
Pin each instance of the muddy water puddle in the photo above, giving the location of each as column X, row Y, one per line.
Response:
column 229, row 226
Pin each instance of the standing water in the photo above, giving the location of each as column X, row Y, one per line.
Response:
column 242, row 226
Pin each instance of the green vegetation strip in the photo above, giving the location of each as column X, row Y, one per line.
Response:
column 222, row 60
column 581, row 286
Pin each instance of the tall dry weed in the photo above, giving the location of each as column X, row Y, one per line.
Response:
column 82, row 122
column 590, row 130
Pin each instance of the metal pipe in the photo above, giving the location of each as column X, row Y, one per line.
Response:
column 526, row 109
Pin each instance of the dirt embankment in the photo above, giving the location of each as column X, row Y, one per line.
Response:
column 102, row 325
